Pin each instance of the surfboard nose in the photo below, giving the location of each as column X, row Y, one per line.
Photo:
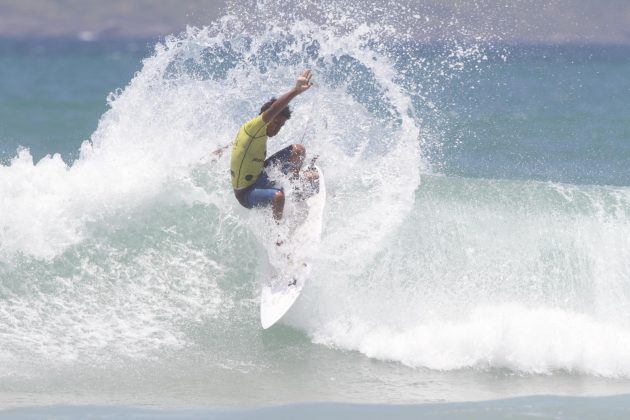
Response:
column 280, row 292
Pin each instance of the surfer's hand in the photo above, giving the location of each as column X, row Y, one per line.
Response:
column 304, row 81
column 219, row 152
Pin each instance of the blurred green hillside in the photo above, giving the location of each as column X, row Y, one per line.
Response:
column 103, row 19
column 529, row 21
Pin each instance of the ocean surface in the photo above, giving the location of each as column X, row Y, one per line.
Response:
column 474, row 261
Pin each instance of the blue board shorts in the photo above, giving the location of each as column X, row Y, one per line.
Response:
column 262, row 192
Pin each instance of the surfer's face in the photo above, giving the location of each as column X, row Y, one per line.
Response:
column 275, row 125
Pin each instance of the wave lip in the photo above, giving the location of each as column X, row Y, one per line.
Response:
column 507, row 336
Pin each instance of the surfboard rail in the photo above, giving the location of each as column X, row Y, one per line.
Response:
column 279, row 293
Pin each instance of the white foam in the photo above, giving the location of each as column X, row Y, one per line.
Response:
column 456, row 278
column 530, row 282
column 510, row 336
column 107, row 273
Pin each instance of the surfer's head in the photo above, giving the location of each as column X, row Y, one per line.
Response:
column 276, row 124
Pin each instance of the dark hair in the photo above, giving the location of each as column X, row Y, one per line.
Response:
column 286, row 112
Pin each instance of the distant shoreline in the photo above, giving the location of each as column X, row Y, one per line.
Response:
column 151, row 40
column 556, row 22
column 158, row 37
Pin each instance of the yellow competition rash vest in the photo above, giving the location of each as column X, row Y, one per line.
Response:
column 248, row 153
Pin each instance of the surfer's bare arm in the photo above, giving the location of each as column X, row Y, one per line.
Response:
column 219, row 151
column 302, row 84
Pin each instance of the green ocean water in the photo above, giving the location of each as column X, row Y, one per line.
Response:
column 475, row 243
column 54, row 91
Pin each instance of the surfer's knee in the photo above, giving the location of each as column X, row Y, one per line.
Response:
column 298, row 150
column 278, row 197
column 277, row 204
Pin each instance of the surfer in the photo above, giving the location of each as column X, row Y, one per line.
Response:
column 248, row 164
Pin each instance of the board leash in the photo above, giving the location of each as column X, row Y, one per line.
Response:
column 308, row 122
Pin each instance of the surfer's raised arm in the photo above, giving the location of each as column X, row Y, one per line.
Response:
column 302, row 84
column 277, row 107
column 253, row 187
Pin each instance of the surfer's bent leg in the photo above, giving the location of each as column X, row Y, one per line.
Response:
column 262, row 194
column 289, row 159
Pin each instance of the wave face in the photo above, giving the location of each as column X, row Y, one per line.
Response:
column 137, row 254
column 525, row 276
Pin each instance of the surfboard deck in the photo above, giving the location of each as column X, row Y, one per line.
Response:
column 280, row 292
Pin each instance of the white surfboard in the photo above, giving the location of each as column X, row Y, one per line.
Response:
column 282, row 289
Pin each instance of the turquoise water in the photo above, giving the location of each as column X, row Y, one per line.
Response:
column 547, row 113
column 54, row 91
column 475, row 244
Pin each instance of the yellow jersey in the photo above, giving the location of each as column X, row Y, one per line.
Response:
column 248, row 153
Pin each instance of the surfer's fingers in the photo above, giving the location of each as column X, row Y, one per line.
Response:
column 304, row 81
column 308, row 74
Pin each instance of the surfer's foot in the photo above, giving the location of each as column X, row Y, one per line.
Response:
column 280, row 240
column 310, row 175
column 311, row 181
column 308, row 185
